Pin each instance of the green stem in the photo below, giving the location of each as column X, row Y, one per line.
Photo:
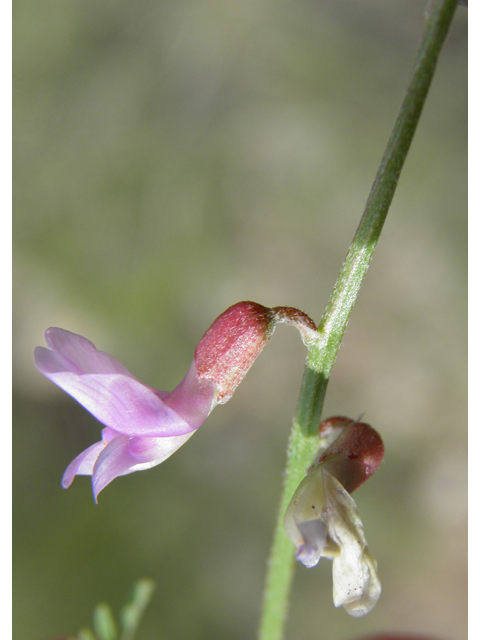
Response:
column 321, row 357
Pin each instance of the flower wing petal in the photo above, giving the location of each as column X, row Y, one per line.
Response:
column 314, row 534
column 356, row 585
column 122, row 403
column 83, row 464
column 125, row 455
column 304, row 519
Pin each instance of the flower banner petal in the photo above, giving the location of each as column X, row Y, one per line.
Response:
column 114, row 396
column 71, row 352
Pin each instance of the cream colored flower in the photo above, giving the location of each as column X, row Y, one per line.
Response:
column 323, row 522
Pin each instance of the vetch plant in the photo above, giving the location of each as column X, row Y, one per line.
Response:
column 144, row 426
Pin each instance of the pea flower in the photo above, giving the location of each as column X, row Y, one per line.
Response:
column 144, row 426
column 322, row 518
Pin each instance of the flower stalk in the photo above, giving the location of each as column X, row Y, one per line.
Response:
column 322, row 354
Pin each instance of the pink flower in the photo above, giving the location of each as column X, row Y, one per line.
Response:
column 144, row 426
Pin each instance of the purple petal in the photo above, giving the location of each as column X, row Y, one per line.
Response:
column 115, row 397
column 193, row 399
column 83, row 464
column 314, row 535
column 125, row 455
column 71, row 352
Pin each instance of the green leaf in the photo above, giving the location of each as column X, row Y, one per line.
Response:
column 103, row 623
column 131, row 614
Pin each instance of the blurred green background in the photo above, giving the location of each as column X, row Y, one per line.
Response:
column 172, row 158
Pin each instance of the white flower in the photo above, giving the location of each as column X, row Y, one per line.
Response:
column 322, row 521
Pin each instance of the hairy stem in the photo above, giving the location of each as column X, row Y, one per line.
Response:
column 321, row 357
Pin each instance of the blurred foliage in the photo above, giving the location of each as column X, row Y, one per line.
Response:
column 104, row 621
column 172, row 158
